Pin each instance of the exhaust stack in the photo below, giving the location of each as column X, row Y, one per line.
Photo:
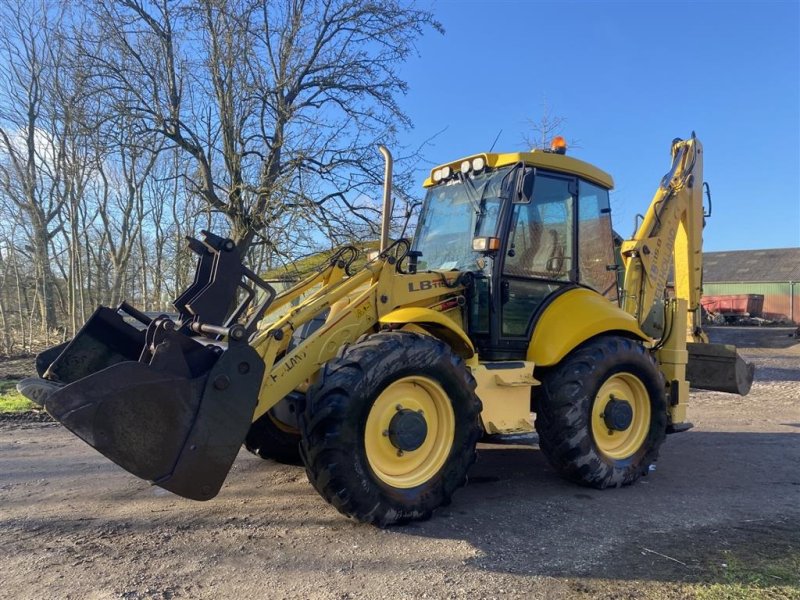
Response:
column 386, row 217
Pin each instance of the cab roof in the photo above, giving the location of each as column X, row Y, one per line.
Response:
column 535, row 158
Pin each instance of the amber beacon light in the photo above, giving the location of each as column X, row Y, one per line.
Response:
column 558, row 145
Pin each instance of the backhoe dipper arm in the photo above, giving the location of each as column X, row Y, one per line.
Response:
column 672, row 228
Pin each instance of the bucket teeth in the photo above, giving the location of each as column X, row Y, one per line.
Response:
column 38, row 390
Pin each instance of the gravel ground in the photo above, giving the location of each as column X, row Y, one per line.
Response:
column 73, row 525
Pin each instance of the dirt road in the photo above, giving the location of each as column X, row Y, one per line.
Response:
column 723, row 497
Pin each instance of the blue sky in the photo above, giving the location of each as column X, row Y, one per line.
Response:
column 628, row 77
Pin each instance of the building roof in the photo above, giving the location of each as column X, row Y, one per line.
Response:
column 779, row 264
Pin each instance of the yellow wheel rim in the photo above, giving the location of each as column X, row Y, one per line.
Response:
column 281, row 425
column 615, row 444
column 408, row 469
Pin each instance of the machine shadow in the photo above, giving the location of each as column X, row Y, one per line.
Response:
column 711, row 497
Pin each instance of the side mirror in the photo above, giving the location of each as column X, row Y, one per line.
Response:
column 524, row 193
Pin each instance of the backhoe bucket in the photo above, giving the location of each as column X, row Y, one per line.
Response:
column 166, row 406
column 718, row 367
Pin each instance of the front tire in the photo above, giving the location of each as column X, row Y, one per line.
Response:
column 389, row 432
column 602, row 413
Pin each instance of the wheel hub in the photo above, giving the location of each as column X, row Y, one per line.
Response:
column 407, row 430
column 618, row 415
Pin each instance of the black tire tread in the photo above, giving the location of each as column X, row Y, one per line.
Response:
column 336, row 471
column 563, row 418
column 266, row 440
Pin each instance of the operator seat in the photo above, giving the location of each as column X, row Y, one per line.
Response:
column 526, row 243
column 548, row 261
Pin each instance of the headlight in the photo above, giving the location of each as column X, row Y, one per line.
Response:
column 478, row 163
column 485, row 244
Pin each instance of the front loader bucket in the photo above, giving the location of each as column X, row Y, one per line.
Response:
column 168, row 407
column 171, row 402
column 718, row 367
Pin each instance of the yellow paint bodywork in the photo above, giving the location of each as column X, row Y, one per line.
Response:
column 435, row 323
column 535, row 158
column 572, row 318
column 358, row 304
column 670, row 235
column 380, row 296
column 506, row 396
column 673, row 357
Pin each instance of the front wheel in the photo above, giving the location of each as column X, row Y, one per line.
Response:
column 389, row 432
column 602, row 413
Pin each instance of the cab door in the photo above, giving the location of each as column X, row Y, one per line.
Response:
column 538, row 261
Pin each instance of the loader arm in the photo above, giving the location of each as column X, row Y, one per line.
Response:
column 359, row 304
column 671, row 235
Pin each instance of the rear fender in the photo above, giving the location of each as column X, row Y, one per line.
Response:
column 572, row 318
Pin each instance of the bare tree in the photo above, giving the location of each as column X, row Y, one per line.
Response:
column 30, row 173
column 541, row 131
column 130, row 125
column 279, row 104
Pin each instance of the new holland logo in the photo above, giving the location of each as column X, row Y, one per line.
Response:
column 428, row 284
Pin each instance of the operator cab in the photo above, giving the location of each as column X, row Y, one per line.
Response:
column 528, row 226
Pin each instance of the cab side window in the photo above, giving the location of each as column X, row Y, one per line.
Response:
column 595, row 240
column 541, row 240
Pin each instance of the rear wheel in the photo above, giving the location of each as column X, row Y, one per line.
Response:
column 602, row 413
column 390, row 430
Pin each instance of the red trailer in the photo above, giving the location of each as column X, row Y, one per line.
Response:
column 740, row 305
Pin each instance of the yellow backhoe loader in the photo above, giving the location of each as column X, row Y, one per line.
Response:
column 383, row 380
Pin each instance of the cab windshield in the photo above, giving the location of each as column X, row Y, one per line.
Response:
column 454, row 213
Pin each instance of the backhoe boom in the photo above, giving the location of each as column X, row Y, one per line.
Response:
column 671, row 235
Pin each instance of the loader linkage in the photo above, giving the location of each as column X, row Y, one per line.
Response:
column 168, row 401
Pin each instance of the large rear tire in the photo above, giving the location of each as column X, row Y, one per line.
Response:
column 389, row 431
column 601, row 414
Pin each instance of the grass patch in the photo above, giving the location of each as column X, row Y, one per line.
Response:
column 737, row 591
column 11, row 401
column 754, row 577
